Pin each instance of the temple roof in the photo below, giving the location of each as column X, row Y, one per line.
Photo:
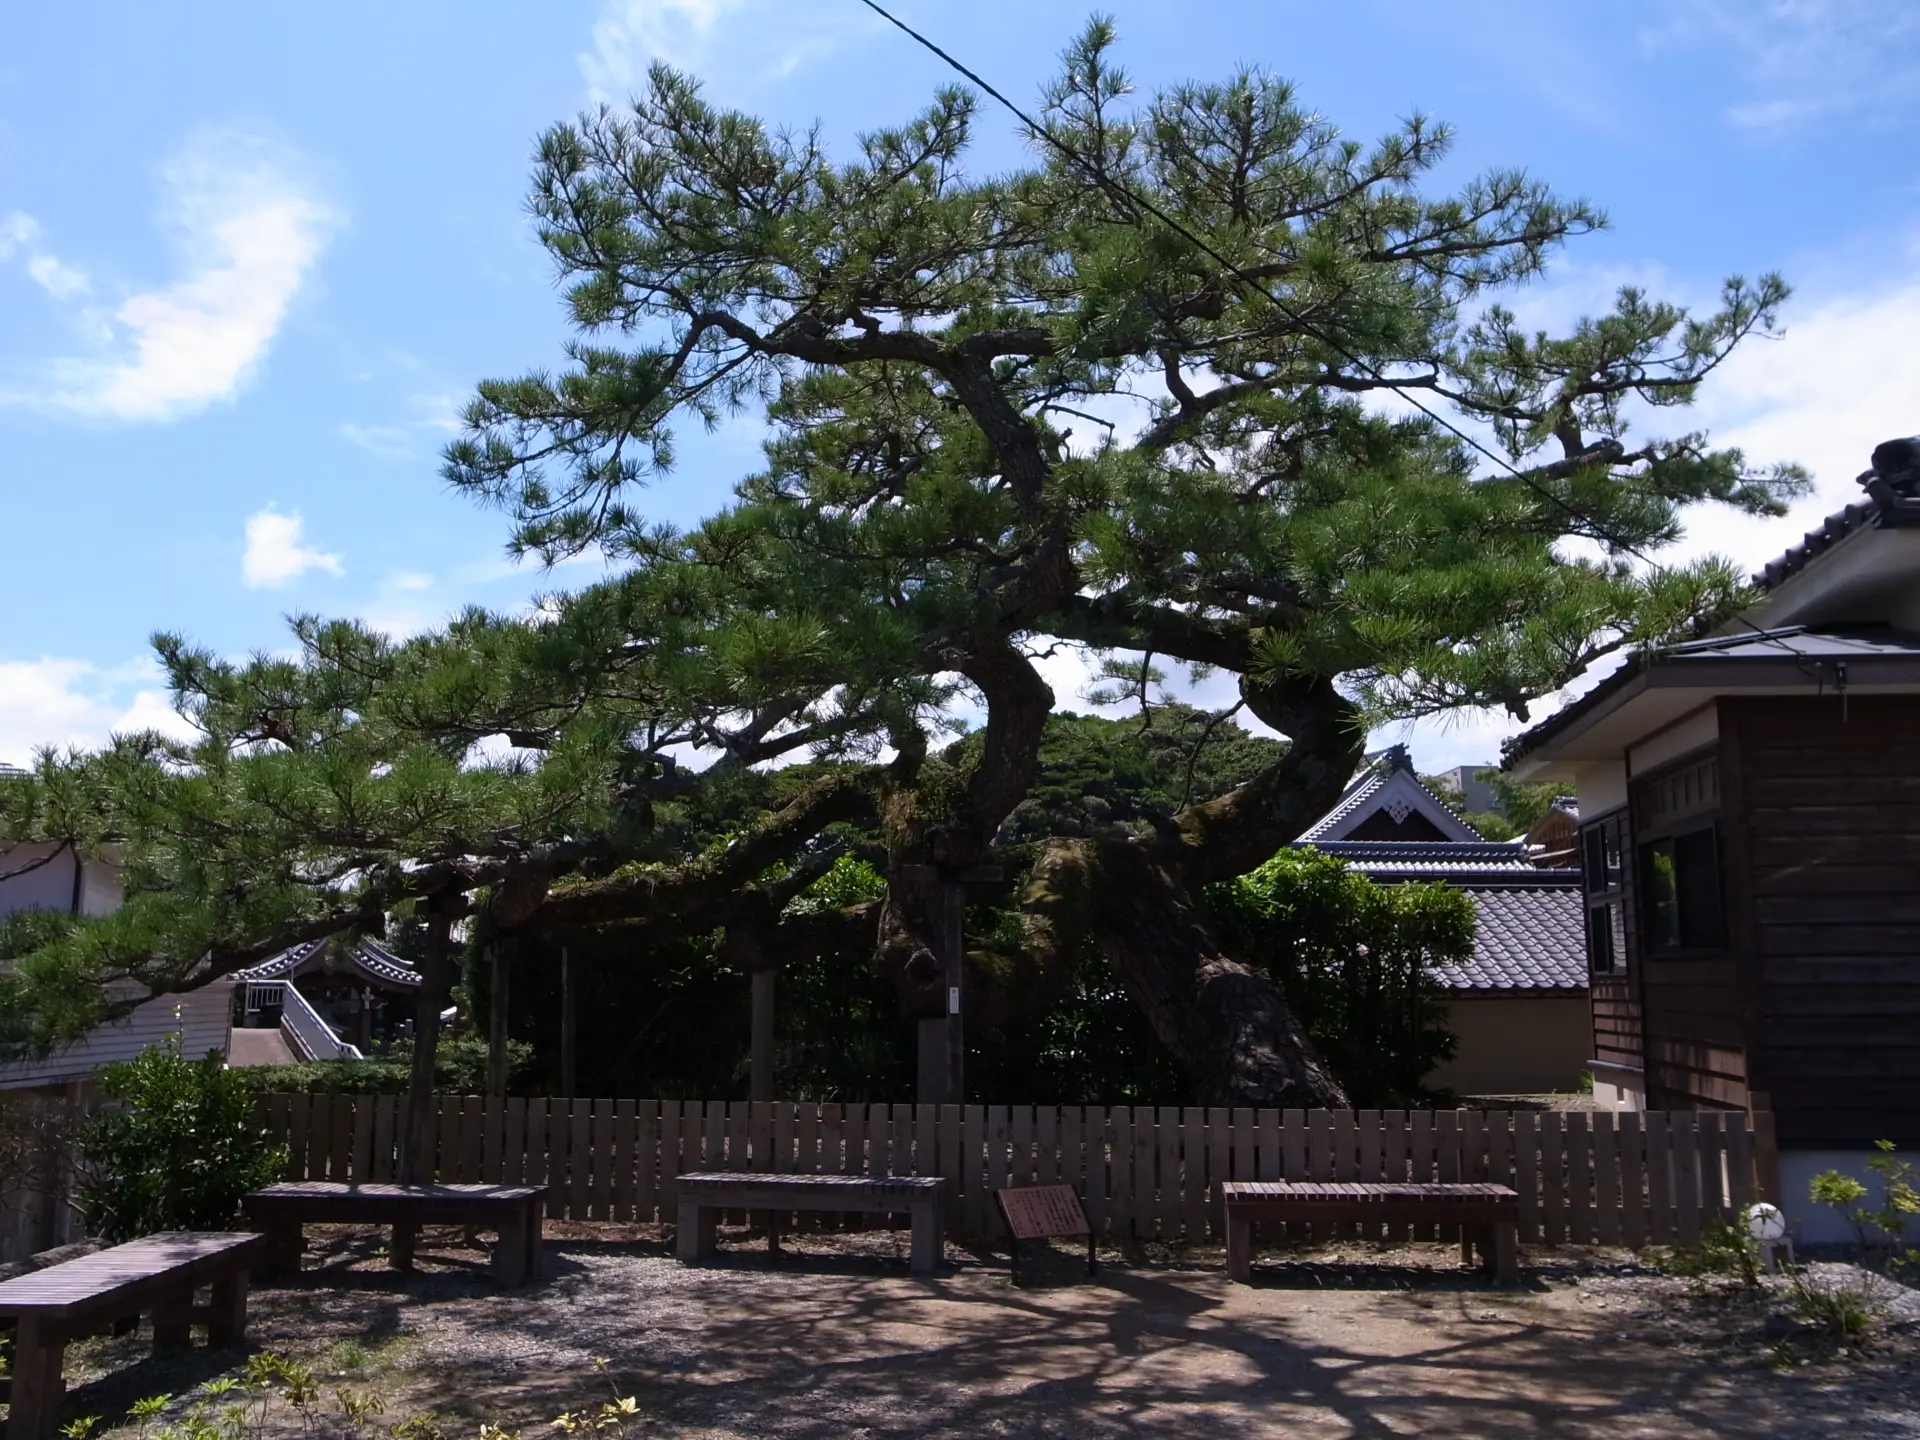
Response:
column 368, row 960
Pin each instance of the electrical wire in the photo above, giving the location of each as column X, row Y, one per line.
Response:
column 1120, row 191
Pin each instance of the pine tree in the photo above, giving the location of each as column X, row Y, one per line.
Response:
column 1138, row 397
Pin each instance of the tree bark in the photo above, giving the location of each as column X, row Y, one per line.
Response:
column 1227, row 1025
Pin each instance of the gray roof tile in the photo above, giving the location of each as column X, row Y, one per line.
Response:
column 1525, row 940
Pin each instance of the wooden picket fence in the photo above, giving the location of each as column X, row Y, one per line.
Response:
column 1146, row 1173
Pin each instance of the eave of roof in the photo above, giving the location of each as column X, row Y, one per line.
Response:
column 1893, row 504
column 1792, row 656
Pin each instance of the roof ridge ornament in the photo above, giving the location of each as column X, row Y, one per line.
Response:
column 1894, row 480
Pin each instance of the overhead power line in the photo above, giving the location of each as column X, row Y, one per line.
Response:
column 1121, row 191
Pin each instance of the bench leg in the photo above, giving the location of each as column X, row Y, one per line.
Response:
column 536, row 1239
column 1239, row 1247
column 927, row 1252
column 1468, row 1234
column 173, row 1322
column 37, row 1386
column 695, row 1235
column 510, row 1250
column 400, row 1245
column 227, row 1325
column 1506, row 1252
column 285, row 1241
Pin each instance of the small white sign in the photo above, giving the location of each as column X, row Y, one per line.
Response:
column 953, row 1000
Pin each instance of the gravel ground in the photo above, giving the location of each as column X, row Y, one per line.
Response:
column 836, row 1339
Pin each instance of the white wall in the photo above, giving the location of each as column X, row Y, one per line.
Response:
column 1812, row 1224
column 49, row 886
column 199, row 1018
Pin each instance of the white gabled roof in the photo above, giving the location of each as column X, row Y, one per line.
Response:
column 1387, row 783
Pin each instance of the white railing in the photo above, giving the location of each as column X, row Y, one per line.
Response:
column 308, row 1035
column 264, row 995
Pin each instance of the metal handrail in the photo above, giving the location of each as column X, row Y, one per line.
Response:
column 308, row 1034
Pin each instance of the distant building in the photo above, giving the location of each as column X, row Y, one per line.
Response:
column 1469, row 782
column 56, row 877
column 1520, row 1006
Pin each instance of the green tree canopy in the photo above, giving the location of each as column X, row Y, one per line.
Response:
column 1005, row 415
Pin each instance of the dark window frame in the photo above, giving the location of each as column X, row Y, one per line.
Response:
column 1603, row 878
column 1679, row 806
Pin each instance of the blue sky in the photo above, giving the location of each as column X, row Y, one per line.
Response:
column 253, row 258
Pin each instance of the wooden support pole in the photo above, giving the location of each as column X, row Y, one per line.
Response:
column 760, row 1086
column 954, row 943
column 930, row 1077
column 569, row 1023
column 497, row 1014
column 417, row 1143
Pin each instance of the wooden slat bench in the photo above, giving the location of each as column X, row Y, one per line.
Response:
column 157, row 1275
column 1488, row 1215
column 513, row 1212
column 704, row 1195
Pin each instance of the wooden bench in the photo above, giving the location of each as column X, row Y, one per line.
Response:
column 703, row 1196
column 1488, row 1215
column 513, row 1212
column 157, row 1276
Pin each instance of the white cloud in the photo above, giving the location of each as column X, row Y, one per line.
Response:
column 434, row 415
column 1806, row 60
column 250, row 230
column 274, row 554
column 19, row 231
column 60, row 702
column 745, row 39
column 56, row 277
column 409, row 580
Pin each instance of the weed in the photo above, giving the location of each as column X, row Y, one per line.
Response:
column 1726, row 1250
column 1840, row 1310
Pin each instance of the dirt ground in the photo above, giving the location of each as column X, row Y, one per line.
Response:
column 836, row 1339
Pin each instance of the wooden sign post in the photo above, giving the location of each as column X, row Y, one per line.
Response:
column 946, row 892
column 1039, row 1212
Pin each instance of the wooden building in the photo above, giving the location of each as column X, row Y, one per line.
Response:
column 1519, row 1005
column 1750, row 833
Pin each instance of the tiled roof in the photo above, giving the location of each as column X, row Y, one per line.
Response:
column 1463, row 862
column 1526, row 940
column 378, row 963
column 1391, row 767
column 12, row 772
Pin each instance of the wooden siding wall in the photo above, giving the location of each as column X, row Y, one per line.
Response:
column 1626, row 1178
column 1826, row 893
column 1693, row 1030
column 200, row 1019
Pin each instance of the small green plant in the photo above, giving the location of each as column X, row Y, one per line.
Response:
column 1726, row 1250
column 81, row 1428
column 176, row 1147
column 1840, row 1310
column 424, row 1426
column 613, row 1418
column 145, row 1412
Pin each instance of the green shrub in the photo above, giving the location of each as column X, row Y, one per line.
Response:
column 175, row 1148
column 1881, row 1228
column 1356, row 961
